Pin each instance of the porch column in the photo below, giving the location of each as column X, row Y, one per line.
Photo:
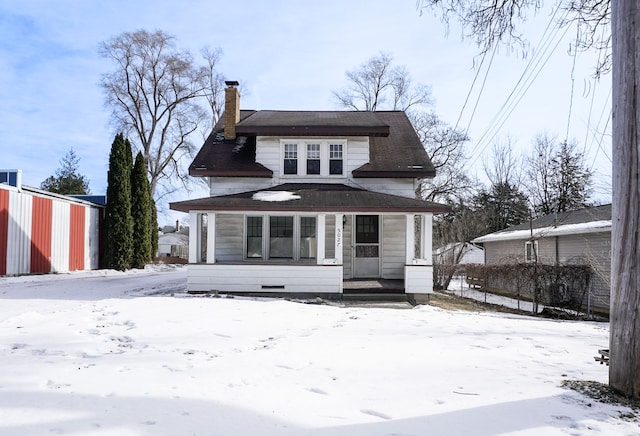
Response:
column 339, row 238
column 426, row 241
column 410, row 240
column 320, row 237
column 194, row 237
column 211, row 237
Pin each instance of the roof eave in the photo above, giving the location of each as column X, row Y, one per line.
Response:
column 364, row 174
column 377, row 131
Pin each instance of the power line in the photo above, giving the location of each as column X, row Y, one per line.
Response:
column 573, row 82
column 529, row 74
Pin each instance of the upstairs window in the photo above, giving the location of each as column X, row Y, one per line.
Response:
column 313, row 158
column 291, row 159
column 335, row 159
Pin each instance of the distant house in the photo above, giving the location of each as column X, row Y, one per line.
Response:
column 172, row 243
column 42, row 232
column 301, row 201
column 464, row 252
column 579, row 237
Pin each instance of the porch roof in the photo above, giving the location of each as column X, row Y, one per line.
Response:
column 309, row 197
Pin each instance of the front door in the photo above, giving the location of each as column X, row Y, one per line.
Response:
column 366, row 262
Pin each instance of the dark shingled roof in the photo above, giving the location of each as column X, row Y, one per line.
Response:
column 395, row 149
column 579, row 216
column 400, row 154
column 314, row 198
column 312, row 123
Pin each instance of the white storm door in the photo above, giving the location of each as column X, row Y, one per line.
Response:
column 366, row 262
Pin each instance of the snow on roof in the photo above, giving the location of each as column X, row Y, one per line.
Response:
column 275, row 196
column 568, row 229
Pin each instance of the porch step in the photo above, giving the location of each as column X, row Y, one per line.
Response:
column 375, row 296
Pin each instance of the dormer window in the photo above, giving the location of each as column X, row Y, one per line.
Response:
column 313, row 158
column 291, row 159
column 335, row 159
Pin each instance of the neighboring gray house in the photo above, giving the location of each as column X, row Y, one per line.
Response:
column 301, row 201
column 579, row 237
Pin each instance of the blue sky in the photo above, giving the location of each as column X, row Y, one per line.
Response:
column 287, row 55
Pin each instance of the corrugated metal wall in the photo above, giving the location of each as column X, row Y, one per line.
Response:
column 19, row 241
column 60, row 237
column 76, row 238
column 41, row 233
column 4, row 229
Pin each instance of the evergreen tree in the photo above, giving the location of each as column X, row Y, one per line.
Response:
column 503, row 205
column 154, row 228
column 118, row 232
column 559, row 179
column 67, row 180
column 141, row 213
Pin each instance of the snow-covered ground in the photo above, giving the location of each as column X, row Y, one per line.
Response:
column 110, row 353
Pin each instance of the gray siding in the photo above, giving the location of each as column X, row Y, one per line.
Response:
column 393, row 246
column 229, row 238
column 503, row 252
column 330, row 237
column 593, row 249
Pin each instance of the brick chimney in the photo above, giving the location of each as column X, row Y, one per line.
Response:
column 231, row 109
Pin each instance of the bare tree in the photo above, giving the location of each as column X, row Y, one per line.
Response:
column 154, row 94
column 491, row 22
column 213, row 86
column 378, row 85
column 504, row 166
column 624, row 369
column 503, row 204
column 444, row 145
column 558, row 179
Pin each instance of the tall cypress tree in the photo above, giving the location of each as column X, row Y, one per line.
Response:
column 154, row 228
column 141, row 213
column 118, row 232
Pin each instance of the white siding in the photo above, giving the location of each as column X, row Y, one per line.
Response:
column 92, row 238
column 264, row 278
column 229, row 238
column 61, row 217
column 401, row 187
column 330, row 237
column 19, row 234
column 393, row 246
column 347, row 251
column 418, row 279
column 234, row 185
column 269, row 154
column 357, row 153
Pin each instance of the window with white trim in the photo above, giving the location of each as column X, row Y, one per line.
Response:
column 290, row 159
column 313, row 157
column 531, row 251
column 335, row 159
column 285, row 237
column 308, row 237
column 254, row 237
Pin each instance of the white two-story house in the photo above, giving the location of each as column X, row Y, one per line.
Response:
column 301, row 201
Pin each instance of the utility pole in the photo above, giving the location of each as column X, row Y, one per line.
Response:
column 624, row 364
